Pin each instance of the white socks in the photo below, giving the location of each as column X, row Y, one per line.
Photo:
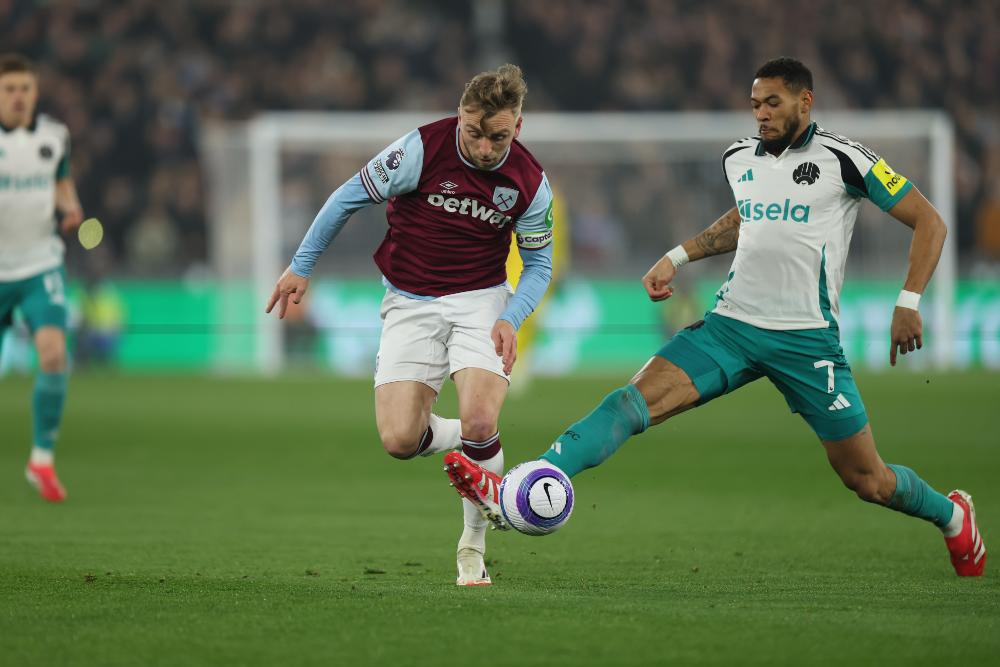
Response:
column 954, row 527
column 474, row 534
column 447, row 435
column 42, row 457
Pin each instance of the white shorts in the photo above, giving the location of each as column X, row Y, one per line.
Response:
column 427, row 341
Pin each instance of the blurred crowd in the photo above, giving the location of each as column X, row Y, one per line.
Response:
column 136, row 79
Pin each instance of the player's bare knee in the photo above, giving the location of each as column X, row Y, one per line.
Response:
column 668, row 401
column 666, row 389
column 51, row 359
column 399, row 444
column 868, row 486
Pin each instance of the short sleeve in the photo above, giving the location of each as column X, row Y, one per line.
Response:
column 865, row 173
column 62, row 169
column 395, row 170
column 884, row 186
column 534, row 227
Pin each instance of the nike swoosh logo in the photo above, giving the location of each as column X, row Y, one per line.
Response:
column 545, row 487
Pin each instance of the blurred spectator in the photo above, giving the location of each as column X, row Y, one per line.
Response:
column 134, row 79
column 153, row 243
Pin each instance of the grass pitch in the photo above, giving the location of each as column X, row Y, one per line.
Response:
column 236, row 522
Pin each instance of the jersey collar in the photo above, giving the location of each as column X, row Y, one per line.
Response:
column 458, row 149
column 801, row 142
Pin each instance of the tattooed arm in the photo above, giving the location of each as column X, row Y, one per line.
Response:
column 719, row 238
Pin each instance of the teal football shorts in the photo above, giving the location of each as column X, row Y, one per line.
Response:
column 721, row 354
column 41, row 300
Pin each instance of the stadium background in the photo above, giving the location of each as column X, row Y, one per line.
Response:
column 216, row 518
column 140, row 83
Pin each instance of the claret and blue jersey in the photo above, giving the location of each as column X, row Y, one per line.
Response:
column 450, row 223
column 797, row 212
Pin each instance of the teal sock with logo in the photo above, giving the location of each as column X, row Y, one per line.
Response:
column 587, row 443
column 47, row 403
column 915, row 497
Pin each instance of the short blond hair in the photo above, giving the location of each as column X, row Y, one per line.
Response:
column 494, row 91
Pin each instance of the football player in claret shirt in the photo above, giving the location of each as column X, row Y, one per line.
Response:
column 797, row 189
column 35, row 181
column 456, row 190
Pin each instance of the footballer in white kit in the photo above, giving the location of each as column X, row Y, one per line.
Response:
column 797, row 189
column 35, row 182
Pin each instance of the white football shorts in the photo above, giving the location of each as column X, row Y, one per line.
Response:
column 428, row 341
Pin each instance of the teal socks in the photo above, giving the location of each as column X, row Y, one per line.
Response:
column 47, row 402
column 915, row 497
column 587, row 443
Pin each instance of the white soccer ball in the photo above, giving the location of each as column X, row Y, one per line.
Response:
column 536, row 497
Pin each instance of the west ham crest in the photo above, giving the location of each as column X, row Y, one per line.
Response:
column 504, row 198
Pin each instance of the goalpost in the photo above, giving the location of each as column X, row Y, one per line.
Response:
column 682, row 147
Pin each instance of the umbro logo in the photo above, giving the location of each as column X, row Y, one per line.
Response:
column 448, row 187
column 840, row 403
column 805, row 174
column 748, row 176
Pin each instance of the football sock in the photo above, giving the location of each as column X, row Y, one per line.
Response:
column 587, row 443
column 482, row 451
column 446, row 436
column 474, row 530
column 47, row 403
column 42, row 457
column 915, row 497
column 954, row 527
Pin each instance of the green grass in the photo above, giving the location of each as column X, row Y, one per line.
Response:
column 238, row 522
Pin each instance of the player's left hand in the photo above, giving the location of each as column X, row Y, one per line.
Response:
column 505, row 341
column 71, row 219
column 907, row 332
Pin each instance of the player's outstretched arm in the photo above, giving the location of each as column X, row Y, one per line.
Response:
column 929, row 232
column 372, row 185
column 721, row 237
column 68, row 203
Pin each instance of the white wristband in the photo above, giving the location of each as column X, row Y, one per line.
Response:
column 678, row 256
column 908, row 300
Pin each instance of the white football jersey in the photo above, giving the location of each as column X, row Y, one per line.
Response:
column 797, row 215
column 32, row 159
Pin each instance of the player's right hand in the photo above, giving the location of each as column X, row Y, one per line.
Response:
column 657, row 279
column 289, row 285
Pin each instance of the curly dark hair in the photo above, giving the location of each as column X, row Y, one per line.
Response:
column 795, row 75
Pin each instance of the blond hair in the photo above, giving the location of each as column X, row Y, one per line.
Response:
column 503, row 88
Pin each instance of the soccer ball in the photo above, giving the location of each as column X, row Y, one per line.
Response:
column 536, row 497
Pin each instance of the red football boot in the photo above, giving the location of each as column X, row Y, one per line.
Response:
column 967, row 549
column 477, row 485
column 43, row 478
